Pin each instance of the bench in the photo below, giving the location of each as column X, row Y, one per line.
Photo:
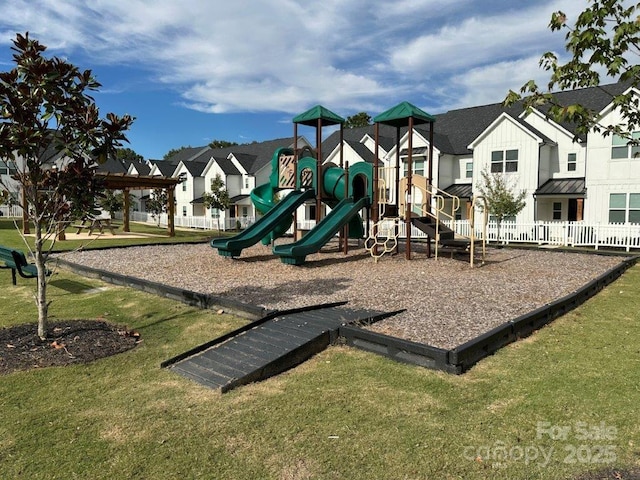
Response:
column 17, row 262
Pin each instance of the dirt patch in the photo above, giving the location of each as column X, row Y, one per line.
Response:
column 68, row 342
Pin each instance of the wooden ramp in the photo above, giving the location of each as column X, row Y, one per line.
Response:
column 268, row 346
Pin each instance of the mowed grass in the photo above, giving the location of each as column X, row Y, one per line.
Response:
column 344, row 414
column 9, row 237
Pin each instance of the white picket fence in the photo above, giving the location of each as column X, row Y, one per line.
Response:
column 571, row 234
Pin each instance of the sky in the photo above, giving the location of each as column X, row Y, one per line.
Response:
column 193, row 71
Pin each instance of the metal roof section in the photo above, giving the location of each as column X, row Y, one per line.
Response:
column 563, row 186
column 461, row 190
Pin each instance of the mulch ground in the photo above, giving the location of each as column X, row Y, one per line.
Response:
column 68, row 342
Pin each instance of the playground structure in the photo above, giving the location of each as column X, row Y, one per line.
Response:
column 386, row 199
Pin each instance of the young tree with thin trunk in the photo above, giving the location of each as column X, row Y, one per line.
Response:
column 52, row 137
column 218, row 198
column 157, row 203
column 500, row 198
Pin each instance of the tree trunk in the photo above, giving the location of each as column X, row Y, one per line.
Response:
column 41, row 293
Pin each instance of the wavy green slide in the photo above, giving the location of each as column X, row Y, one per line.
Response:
column 276, row 220
column 295, row 253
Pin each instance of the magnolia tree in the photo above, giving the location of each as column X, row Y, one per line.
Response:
column 51, row 137
column 603, row 41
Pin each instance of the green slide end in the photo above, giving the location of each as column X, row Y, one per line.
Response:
column 295, row 253
column 272, row 221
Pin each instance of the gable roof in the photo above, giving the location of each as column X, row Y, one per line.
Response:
column 166, row 167
column 227, row 166
column 195, row 167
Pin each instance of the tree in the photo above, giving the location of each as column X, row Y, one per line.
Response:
column 157, row 203
column 218, row 198
column 361, row 119
column 112, row 201
column 47, row 115
column 222, row 144
column 603, row 39
column 127, row 154
column 500, row 198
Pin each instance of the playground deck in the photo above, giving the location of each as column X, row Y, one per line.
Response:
column 266, row 347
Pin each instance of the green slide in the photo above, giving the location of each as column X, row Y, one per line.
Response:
column 273, row 220
column 295, row 253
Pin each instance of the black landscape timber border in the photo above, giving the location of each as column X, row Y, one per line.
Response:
column 195, row 299
column 461, row 358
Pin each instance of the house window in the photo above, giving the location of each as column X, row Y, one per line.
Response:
column 245, row 211
column 215, row 213
column 3, row 168
column 468, row 170
column 504, row 161
column 571, row 162
column 624, row 208
column 417, row 164
column 557, row 210
column 622, row 148
column 246, row 182
column 184, row 211
column 184, row 186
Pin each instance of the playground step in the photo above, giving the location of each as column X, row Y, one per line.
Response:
column 268, row 346
column 428, row 226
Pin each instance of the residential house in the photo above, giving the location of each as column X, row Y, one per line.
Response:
column 565, row 176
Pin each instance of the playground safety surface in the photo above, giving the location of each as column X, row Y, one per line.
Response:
column 447, row 302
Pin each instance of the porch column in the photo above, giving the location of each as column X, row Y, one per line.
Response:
column 580, row 209
column 171, row 211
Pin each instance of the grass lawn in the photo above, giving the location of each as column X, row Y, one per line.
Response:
column 557, row 404
column 10, row 238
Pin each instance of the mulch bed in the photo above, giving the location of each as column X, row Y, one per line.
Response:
column 68, row 342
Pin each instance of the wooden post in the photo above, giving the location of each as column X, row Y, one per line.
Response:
column 295, row 166
column 343, row 236
column 430, row 179
column 345, row 229
column 397, row 186
column 171, row 210
column 376, row 185
column 319, row 179
column 409, row 199
column 125, row 212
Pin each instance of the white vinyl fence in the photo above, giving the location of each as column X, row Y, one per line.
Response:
column 568, row 234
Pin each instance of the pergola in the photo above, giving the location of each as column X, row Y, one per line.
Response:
column 121, row 181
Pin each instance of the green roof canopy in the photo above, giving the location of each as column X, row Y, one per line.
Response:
column 311, row 117
column 399, row 115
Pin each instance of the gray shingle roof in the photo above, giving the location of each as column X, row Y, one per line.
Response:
column 227, row 166
column 456, row 129
column 166, row 167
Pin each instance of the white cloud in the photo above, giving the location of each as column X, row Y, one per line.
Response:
column 285, row 55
